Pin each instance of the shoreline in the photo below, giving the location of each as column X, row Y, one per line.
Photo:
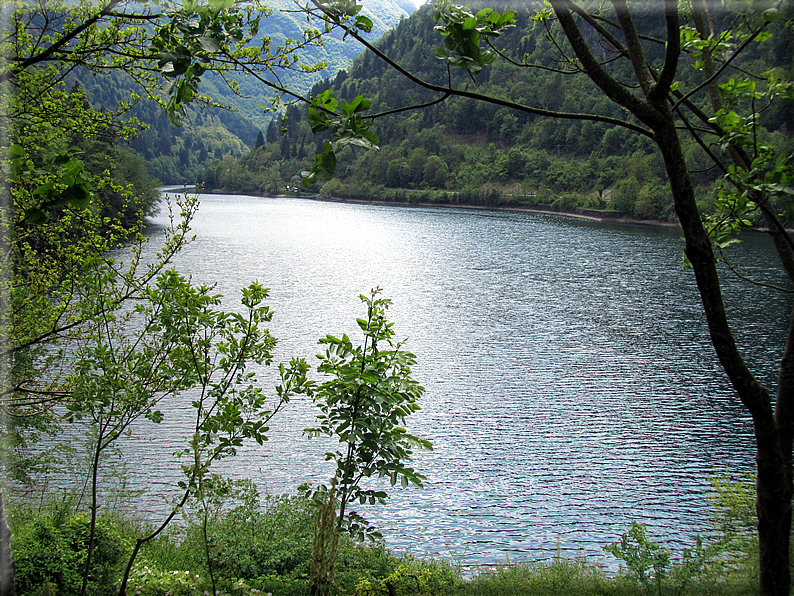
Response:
column 585, row 214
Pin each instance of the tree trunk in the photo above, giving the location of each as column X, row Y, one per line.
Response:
column 775, row 488
column 774, row 483
column 773, row 505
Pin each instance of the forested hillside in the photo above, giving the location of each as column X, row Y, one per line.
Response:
column 461, row 150
column 176, row 155
column 173, row 155
column 336, row 54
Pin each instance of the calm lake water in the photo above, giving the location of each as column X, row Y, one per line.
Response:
column 571, row 385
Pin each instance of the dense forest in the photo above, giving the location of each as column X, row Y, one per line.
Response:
column 177, row 155
column 464, row 151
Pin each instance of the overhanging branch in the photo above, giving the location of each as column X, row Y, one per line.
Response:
column 479, row 96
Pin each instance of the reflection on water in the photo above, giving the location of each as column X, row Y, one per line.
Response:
column 571, row 385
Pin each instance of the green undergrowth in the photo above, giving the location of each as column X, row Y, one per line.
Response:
column 264, row 546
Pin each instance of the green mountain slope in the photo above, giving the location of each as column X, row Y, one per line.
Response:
column 337, row 53
column 176, row 155
column 488, row 154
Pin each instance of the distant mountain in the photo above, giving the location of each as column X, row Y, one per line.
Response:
column 408, row 7
column 337, row 53
column 176, row 155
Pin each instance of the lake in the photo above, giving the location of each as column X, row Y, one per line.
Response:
column 570, row 383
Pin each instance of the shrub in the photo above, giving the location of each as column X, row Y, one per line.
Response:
column 248, row 540
column 415, row 577
column 50, row 548
column 145, row 581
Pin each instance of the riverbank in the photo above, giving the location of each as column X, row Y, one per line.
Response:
column 274, row 556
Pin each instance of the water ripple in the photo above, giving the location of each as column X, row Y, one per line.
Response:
column 571, row 385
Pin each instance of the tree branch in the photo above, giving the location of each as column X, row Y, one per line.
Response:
column 642, row 71
column 611, row 88
column 725, row 65
column 48, row 52
column 485, row 98
column 662, row 86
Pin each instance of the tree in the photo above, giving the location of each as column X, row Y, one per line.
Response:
column 53, row 194
column 61, row 288
column 166, row 47
column 642, row 71
column 272, row 132
column 364, row 405
column 178, row 341
column 211, row 350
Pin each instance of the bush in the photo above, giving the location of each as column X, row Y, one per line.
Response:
column 51, row 548
column 257, row 548
column 265, row 548
column 247, row 540
column 415, row 577
column 152, row 582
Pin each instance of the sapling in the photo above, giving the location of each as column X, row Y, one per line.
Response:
column 364, row 404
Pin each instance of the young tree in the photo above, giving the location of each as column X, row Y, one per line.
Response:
column 57, row 235
column 644, row 75
column 175, row 341
column 213, row 349
column 364, row 405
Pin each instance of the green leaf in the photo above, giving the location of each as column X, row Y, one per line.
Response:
column 218, row 5
column 364, row 23
column 78, row 196
column 318, row 122
column 209, row 44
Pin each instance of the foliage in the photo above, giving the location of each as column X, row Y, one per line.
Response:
column 230, row 407
column 146, row 53
column 417, row 577
column 363, row 405
column 256, row 546
column 560, row 575
column 646, row 560
column 347, row 128
column 463, row 31
column 265, row 544
column 252, row 539
column 733, row 502
column 175, row 154
column 51, row 546
column 152, row 582
column 86, row 333
column 651, row 566
column 336, row 53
